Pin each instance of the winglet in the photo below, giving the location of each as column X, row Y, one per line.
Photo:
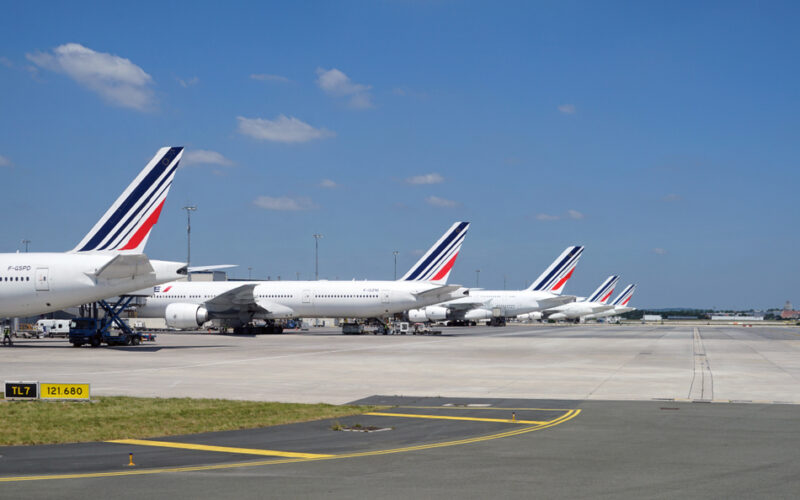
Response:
column 560, row 271
column 125, row 227
column 436, row 264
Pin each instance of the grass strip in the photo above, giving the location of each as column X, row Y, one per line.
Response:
column 122, row 417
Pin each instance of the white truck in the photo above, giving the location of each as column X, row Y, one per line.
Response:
column 52, row 327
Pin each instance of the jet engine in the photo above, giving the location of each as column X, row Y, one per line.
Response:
column 417, row 316
column 532, row 316
column 185, row 316
column 478, row 314
column 436, row 313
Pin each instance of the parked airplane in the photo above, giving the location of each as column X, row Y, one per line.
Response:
column 107, row 262
column 620, row 304
column 595, row 303
column 545, row 292
column 187, row 305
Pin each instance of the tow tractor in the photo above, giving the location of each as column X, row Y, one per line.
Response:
column 94, row 330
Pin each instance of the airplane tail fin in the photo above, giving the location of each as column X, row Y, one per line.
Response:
column 126, row 226
column 555, row 277
column 604, row 291
column 625, row 296
column 437, row 263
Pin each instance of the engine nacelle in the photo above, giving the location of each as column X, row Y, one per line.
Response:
column 417, row 316
column 185, row 316
column 436, row 313
column 531, row 316
column 478, row 314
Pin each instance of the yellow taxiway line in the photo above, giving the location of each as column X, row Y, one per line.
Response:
column 222, row 449
column 469, row 419
column 569, row 415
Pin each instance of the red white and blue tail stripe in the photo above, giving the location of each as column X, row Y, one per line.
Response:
column 126, row 226
column 436, row 264
column 625, row 296
column 604, row 291
column 555, row 277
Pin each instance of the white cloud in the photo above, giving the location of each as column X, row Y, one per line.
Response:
column 406, row 92
column 327, row 183
column 114, row 78
column 659, row 251
column 567, row 109
column 263, row 77
column 5, row 162
column 281, row 129
column 284, row 203
column 188, row 83
column 570, row 214
column 440, row 202
column 337, row 84
column 547, row 217
column 574, row 214
column 205, row 157
column 432, row 178
column 672, row 197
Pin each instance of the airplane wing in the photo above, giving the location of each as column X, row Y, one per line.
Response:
column 463, row 306
column 446, row 292
column 556, row 301
column 124, row 266
column 274, row 309
column 242, row 299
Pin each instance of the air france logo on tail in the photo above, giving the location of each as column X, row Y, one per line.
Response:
column 437, row 263
column 604, row 291
column 625, row 296
column 560, row 271
column 126, row 226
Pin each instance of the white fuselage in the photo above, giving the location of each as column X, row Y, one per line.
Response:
column 304, row 299
column 617, row 310
column 510, row 303
column 38, row 283
column 576, row 310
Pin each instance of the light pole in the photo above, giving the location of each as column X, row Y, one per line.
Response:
column 249, row 273
column 317, row 236
column 477, row 277
column 395, row 264
column 504, row 282
column 25, row 242
column 189, row 209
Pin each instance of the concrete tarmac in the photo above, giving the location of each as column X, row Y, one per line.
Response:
column 604, row 362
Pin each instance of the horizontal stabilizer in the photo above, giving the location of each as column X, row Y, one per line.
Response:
column 124, row 266
column 199, row 269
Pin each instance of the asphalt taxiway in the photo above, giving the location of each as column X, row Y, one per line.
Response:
column 590, row 449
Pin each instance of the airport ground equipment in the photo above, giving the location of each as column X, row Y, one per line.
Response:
column 95, row 331
column 249, row 329
column 352, row 328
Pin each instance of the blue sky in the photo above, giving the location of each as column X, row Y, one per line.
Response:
column 660, row 135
